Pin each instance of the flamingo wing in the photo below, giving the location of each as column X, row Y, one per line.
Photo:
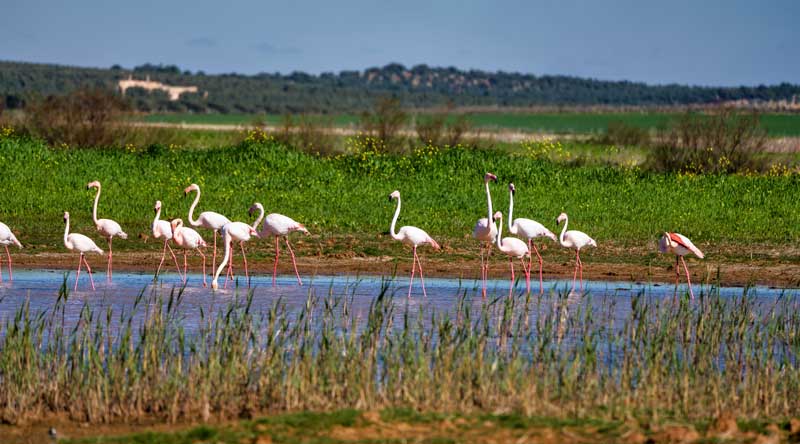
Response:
column 684, row 242
column 484, row 230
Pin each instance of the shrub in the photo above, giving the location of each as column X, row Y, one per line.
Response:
column 441, row 129
column 621, row 133
column 384, row 124
column 311, row 134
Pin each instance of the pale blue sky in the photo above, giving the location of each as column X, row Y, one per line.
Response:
column 713, row 42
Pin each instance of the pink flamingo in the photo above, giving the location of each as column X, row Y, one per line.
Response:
column 412, row 236
column 513, row 248
column 207, row 219
column 577, row 240
column 162, row 228
column 278, row 225
column 680, row 246
column 233, row 231
column 107, row 227
column 485, row 231
column 7, row 238
column 76, row 241
column 529, row 229
column 188, row 239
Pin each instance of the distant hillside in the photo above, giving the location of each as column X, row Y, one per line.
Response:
column 353, row 91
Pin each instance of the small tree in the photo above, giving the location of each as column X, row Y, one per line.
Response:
column 384, row 122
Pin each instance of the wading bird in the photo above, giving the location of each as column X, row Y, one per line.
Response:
column 241, row 232
column 188, row 239
column 513, row 248
column 7, row 238
column 485, row 231
column 412, row 236
column 529, row 229
column 163, row 229
column 576, row 240
column 77, row 241
column 207, row 219
column 107, row 228
column 680, row 246
column 278, row 225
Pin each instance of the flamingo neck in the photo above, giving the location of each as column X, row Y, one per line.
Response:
column 94, row 209
column 260, row 217
column 394, row 221
column 227, row 240
column 155, row 221
column 563, row 231
column 500, row 234
column 66, row 233
column 489, row 199
column 511, row 227
column 192, row 221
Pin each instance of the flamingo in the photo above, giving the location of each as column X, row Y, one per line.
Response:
column 7, row 238
column 513, row 248
column 77, row 241
column 107, row 227
column 577, row 240
column 162, row 228
column 188, row 239
column 680, row 246
column 529, row 229
column 412, row 236
column 207, row 219
column 233, row 231
column 278, row 225
column 485, row 231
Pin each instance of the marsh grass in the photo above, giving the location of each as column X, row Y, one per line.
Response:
column 556, row 356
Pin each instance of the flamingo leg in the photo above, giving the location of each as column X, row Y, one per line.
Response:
column 89, row 269
column 163, row 256
column 204, row 268
column 110, row 258
column 10, row 274
column 78, row 273
column 575, row 274
column 413, row 268
column 178, row 267
column 214, row 261
column 580, row 263
column 688, row 279
column 277, row 253
column 229, row 272
column 483, row 274
column 511, row 285
column 294, row 263
column 244, row 258
column 422, row 279
column 1, row 268
column 539, row 256
column 185, row 268
column 527, row 273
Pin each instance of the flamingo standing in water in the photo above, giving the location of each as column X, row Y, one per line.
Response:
column 412, row 236
column 207, row 219
column 7, row 238
column 107, row 227
column 278, row 225
column 188, row 239
column 485, row 232
column 513, row 248
column 680, row 246
column 162, row 228
column 77, row 241
column 529, row 229
column 233, row 231
column 577, row 240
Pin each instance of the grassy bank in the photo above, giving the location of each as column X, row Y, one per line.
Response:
column 346, row 195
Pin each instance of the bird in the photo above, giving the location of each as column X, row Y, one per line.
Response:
column 7, row 238
column 188, row 239
column 577, row 240
column 680, row 246
column 77, row 241
column 485, row 231
column 207, row 219
column 529, row 229
column 107, row 227
column 162, row 228
column 412, row 236
column 278, row 225
column 513, row 248
column 233, row 231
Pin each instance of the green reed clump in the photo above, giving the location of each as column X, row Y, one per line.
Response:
column 554, row 356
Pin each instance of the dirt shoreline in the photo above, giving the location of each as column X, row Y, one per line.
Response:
column 771, row 273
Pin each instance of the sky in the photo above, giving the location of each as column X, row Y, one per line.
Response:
column 706, row 42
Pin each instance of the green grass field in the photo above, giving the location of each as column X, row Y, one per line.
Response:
column 777, row 125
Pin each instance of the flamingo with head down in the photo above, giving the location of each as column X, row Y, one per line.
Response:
column 241, row 232
column 680, row 246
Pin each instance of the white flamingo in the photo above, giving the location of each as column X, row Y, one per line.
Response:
column 77, row 241
column 529, row 229
column 278, row 225
column 188, row 239
column 107, row 228
column 241, row 232
column 576, row 240
column 680, row 246
column 207, row 219
column 7, row 238
column 513, row 248
column 412, row 236
column 485, row 231
column 163, row 229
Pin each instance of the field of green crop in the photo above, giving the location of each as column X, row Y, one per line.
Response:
column 777, row 125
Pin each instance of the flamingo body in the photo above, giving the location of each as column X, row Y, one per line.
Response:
column 680, row 246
